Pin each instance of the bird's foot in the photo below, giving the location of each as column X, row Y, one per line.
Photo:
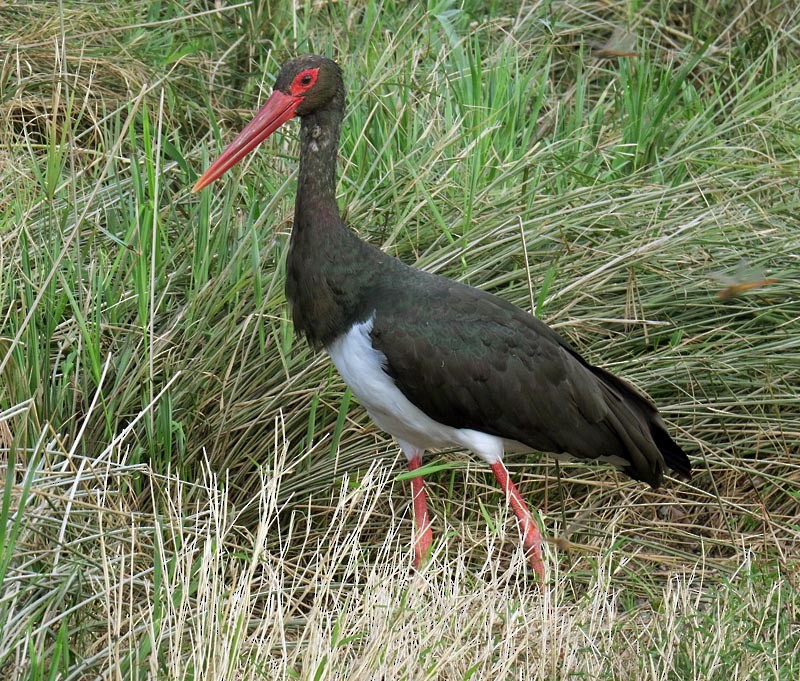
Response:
column 532, row 541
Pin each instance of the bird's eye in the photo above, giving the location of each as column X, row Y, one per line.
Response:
column 303, row 82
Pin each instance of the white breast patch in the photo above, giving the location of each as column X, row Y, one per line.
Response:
column 363, row 369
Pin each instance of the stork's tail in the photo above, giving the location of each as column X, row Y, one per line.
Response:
column 674, row 456
column 632, row 406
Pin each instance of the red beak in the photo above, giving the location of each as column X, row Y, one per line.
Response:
column 278, row 109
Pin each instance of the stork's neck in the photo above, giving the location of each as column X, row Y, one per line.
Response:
column 329, row 269
column 315, row 205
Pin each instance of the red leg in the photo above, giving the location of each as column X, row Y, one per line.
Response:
column 531, row 537
column 422, row 543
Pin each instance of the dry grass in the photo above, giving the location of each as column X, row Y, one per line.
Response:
column 190, row 492
column 184, row 594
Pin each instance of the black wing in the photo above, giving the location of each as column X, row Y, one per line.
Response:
column 472, row 360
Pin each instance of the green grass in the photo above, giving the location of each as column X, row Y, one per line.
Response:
column 190, row 491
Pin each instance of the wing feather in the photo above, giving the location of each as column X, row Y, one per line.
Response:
column 472, row 360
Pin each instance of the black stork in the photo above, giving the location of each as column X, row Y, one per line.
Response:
column 434, row 362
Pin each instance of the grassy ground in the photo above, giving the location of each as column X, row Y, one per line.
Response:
column 190, row 492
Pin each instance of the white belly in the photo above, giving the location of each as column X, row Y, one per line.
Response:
column 363, row 369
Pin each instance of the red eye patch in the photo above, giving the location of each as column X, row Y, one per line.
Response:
column 303, row 81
